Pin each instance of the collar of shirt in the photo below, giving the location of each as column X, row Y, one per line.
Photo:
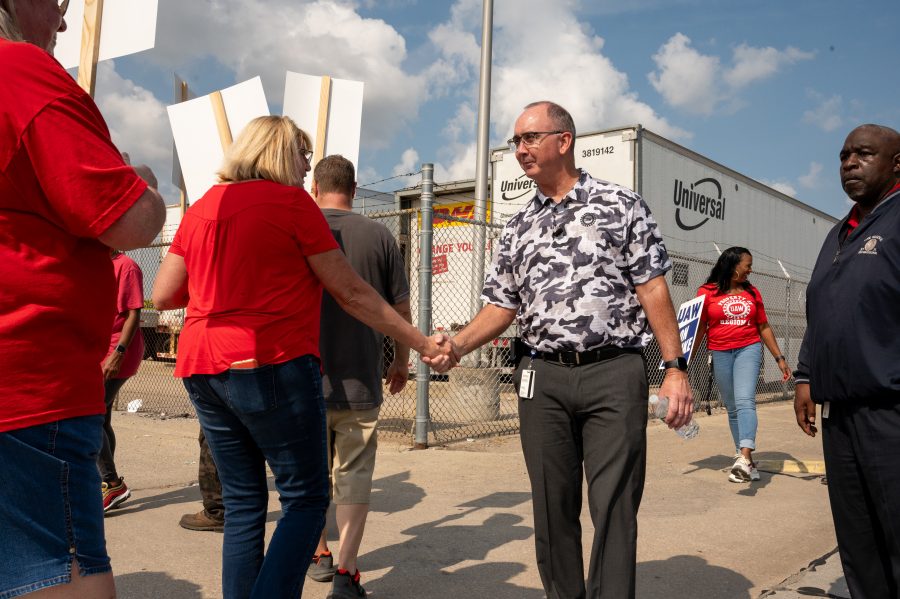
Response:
column 540, row 200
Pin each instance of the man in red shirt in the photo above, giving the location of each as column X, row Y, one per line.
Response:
column 66, row 197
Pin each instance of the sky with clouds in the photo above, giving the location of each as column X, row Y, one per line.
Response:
column 768, row 88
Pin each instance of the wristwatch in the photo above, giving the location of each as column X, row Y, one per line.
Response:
column 121, row 348
column 680, row 363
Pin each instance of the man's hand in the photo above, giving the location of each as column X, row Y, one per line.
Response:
column 805, row 409
column 676, row 387
column 396, row 377
column 112, row 365
column 440, row 353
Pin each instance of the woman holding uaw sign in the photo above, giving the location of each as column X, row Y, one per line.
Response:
column 734, row 320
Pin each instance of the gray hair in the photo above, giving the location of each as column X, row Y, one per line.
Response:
column 9, row 25
column 561, row 118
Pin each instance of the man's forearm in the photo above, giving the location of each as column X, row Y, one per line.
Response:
column 401, row 351
column 487, row 324
column 657, row 303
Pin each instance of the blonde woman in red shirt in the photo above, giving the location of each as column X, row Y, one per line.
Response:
column 249, row 262
column 736, row 327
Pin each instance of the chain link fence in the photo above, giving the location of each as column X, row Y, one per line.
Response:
column 477, row 399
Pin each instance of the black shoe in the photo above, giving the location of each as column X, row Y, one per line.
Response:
column 346, row 586
column 322, row 568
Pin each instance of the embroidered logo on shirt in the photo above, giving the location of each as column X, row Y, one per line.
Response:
column 870, row 247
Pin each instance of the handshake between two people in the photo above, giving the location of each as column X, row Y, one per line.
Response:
column 441, row 353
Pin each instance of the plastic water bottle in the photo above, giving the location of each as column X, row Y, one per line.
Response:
column 660, row 408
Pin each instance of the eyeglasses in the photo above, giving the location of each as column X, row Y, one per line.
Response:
column 63, row 7
column 307, row 154
column 529, row 138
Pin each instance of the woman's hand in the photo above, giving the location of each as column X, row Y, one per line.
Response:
column 786, row 372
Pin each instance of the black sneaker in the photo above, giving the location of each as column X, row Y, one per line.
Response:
column 322, row 567
column 346, row 586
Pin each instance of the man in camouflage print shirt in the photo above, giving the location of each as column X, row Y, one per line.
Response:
column 580, row 269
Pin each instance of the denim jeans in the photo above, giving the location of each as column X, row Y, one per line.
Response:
column 51, row 511
column 272, row 414
column 737, row 371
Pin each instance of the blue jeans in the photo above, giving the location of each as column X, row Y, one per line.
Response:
column 737, row 371
column 272, row 414
column 51, row 510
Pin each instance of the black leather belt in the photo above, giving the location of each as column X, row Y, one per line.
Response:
column 575, row 358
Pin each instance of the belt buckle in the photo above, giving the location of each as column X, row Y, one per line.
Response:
column 577, row 358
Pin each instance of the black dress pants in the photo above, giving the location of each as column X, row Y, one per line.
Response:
column 586, row 422
column 861, row 443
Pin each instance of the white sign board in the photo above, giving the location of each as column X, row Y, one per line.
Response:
column 128, row 26
column 302, row 98
column 197, row 136
column 608, row 156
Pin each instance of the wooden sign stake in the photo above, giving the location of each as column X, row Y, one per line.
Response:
column 218, row 106
column 90, row 45
column 322, row 129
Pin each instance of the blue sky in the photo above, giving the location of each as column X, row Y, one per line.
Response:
column 768, row 88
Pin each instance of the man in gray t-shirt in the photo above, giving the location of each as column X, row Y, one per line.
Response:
column 352, row 361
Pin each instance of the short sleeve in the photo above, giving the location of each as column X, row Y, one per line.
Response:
column 81, row 173
column 761, row 317
column 646, row 255
column 313, row 233
column 500, row 288
column 131, row 288
column 176, row 246
column 704, row 313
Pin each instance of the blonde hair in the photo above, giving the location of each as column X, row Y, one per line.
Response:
column 268, row 148
column 9, row 24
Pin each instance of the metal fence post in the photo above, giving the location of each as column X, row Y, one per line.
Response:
column 790, row 329
column 423, row 372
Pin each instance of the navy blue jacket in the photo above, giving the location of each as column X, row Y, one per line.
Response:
column 851, row 349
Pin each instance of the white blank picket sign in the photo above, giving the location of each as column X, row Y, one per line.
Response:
column 301, row 102
column 197, row 136
column 128, row 26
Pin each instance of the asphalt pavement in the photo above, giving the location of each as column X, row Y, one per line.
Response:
column 455, row 521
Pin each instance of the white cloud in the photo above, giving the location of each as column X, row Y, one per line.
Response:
column 699, row 83
column 755, row 64
column 783, row 186
column 322, row 37
column 826, row 115
column 560, row 60
column 138, row 124
column 685, row 78
column 811, row 179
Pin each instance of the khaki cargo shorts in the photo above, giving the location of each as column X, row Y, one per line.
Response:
column 352, row 441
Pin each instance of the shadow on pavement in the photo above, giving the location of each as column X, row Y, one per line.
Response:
column 438, row 555
column 689, row 577
column 137, row 503
column 152, row 585
column 392, row 494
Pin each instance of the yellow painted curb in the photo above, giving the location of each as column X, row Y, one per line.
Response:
column 791, row 466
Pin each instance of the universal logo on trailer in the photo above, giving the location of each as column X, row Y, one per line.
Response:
column 703, row 197
column 515, row 189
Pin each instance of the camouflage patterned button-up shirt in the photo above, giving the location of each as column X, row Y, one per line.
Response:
column 569, row 269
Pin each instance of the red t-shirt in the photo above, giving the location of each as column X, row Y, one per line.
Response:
column 732, row 320
column 130, row 296
column 252, row 293
column 62, row 184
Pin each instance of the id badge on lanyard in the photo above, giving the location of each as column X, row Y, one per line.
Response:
column 526, row 386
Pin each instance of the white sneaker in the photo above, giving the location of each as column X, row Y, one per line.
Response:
column 754, row 473
column 741, row 470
